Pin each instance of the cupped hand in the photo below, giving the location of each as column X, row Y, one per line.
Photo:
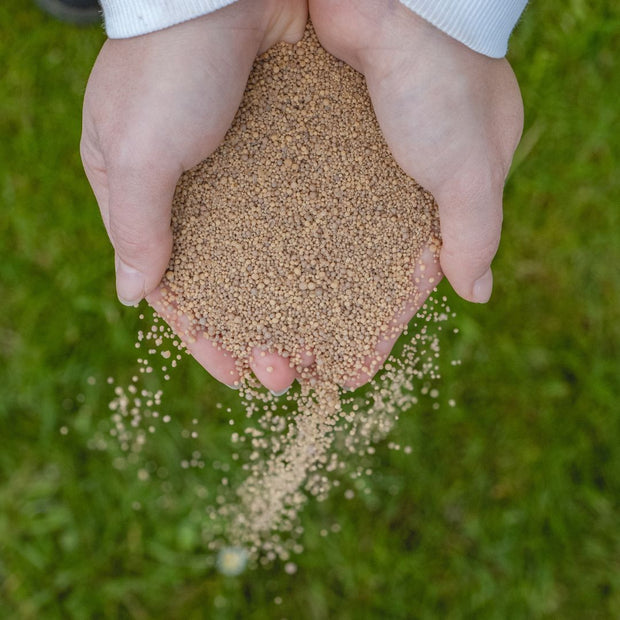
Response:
column 155, row 106
column 451, row 117
column 426, row 276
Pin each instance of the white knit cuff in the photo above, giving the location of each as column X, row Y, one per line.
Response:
column 130, row 18
column 482, row 25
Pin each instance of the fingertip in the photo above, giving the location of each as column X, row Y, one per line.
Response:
column 471, row 224
column 471, row 278
column 472, row 289
column 130, row 283
column 482, row 288
column 272, row 370
column 138, row 224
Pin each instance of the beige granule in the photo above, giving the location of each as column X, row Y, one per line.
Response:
column 300, row 233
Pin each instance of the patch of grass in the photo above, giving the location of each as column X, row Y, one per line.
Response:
column 507, row 506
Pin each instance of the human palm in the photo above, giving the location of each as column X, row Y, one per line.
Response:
column 157, row 105
column 451, row 117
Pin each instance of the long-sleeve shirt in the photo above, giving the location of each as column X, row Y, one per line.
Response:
column 482, row 25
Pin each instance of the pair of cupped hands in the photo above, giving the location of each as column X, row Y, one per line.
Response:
column 158, row 104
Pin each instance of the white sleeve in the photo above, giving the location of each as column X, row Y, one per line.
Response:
column 482, row 25
column 130, row 18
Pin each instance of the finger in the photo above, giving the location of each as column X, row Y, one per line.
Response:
column 470, row 212
column 139, row 205
column 426, row 276
column 96, row 174
column 218, row 362
column 272, row 370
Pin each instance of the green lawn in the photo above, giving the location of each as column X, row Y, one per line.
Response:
column 508, row 505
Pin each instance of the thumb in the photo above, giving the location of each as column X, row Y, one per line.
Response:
column 139, row 207
column 470, row 214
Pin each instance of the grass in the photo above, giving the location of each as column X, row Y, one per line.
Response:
column 508, row 506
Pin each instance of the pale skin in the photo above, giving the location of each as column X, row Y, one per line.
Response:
column 158, row 104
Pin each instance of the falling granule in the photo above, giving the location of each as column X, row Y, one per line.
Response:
column 299, row 234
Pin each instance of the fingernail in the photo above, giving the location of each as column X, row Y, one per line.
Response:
column 281, row 392
column 129, row 284
column 483, row 287
column 232, row 387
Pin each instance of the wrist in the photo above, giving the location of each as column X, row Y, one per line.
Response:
column 483, row 26
column 259, row 22
column 367, row 33
column 131, row 18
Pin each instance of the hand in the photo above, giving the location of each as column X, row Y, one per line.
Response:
column 157, row 105
column 451, row 117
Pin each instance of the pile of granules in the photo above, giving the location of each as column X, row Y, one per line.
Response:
column 299, row 234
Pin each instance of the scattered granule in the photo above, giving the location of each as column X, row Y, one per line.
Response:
column 306, row 446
